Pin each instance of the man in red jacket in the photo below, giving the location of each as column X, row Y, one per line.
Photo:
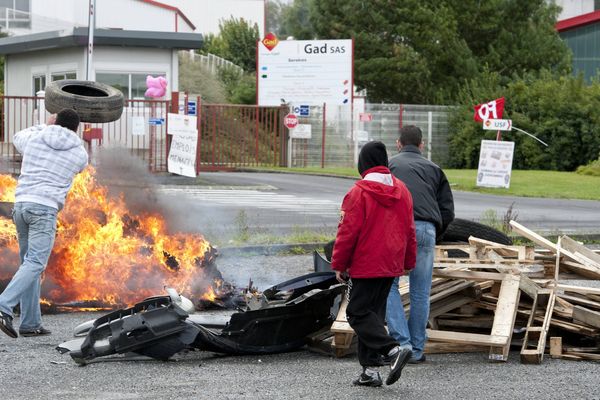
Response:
column 375, row 243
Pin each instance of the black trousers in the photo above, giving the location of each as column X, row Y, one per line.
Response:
column 366, row 315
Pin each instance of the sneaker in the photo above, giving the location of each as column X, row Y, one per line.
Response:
column 368, row 380
column 401, row 357
column 6, row 325
column 420, row 360
column 41, row 331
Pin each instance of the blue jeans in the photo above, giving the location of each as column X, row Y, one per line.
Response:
column 413, row 334
column 36, row 229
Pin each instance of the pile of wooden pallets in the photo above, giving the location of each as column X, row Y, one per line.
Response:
column 488, row 297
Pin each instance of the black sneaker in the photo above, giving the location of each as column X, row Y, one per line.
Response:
column 6, row 325
column 368, row 380
column 41, row 331
column 400, row 359
column 417, row 360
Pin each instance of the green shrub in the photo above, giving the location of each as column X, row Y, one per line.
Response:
column 592, row 168
column 562, row 111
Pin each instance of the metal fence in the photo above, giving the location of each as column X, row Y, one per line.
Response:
column 338, row 133
column 232, row 136
column 148, row 143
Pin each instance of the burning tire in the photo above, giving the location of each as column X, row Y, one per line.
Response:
column 93, row 101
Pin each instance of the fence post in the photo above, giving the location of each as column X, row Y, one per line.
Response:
column 256, row 151
column 324, row 134
column 199, row 129
column 429, row 133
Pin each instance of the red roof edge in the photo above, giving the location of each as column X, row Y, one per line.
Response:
column 578, row 21
column 172, row 8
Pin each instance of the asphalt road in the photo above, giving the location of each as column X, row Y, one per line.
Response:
column 221, row 202
column 31, row 369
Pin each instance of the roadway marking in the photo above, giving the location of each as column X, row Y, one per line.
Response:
column 257, row 199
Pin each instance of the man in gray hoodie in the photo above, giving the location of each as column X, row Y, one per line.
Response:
column 52, row 155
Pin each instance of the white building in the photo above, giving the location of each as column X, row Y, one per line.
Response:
column 132, row 39
column 573, row 8
column 20, row 17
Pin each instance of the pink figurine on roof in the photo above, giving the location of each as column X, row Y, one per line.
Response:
column 156, row 86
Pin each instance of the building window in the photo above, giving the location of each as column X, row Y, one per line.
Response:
column 596, row 4
column 39, row 83
column 58, row 76
column 133, row 86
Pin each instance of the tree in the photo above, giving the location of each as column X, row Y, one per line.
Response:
column 423, row 51
column 296, row 21
column 235, row 42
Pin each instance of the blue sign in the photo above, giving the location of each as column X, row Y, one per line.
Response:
column 192, row 107
column 156, row 121
column 302, row 111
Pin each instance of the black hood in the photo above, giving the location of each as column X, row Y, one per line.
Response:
column 373, row 154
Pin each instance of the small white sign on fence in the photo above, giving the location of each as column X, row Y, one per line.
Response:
column 181, row 124
column 301, row 131
column 137, row 126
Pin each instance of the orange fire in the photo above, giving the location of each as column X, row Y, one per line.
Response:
column 103, row 253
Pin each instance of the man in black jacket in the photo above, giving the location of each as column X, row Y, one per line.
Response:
column 433, row 208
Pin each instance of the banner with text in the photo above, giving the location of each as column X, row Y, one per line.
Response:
column 182, row 154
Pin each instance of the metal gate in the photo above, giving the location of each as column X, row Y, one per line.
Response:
column 229, row 136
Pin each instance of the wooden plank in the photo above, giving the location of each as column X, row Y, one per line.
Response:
column 469, row 275
column 580, row 300
column 589, row 317
column 555, row 347
column 582, row 253
column 529, row 287
column 578, row 289
column 534, row 237
column 466, row 338
column 582, row 356
column 506, row 312
column 449, row 304
column 450, row 291
column 443, row 348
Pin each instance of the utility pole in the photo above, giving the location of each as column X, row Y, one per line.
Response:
column 91, row 27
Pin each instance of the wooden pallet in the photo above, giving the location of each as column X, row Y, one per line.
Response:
column 534, row 343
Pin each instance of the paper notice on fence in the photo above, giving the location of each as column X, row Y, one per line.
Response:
column 181, row 124
column 301, row 131
column 495, row 163
column 138, row 126
column 182, row 154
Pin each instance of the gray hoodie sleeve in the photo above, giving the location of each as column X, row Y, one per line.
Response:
column 22, row 137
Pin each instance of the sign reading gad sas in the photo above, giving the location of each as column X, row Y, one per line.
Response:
column 308, row 72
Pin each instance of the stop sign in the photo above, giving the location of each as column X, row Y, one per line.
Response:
column 290, row 121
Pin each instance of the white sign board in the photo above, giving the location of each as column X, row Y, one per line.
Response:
column 497, row 124
column 182, row 153
column 301, row 131
column 495, row 163
column 310, row 72
column 179, row 123
column 138, row 126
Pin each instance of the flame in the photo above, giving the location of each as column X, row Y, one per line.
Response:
column 105, row 254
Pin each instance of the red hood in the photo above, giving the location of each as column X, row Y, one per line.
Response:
column 383, row 194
